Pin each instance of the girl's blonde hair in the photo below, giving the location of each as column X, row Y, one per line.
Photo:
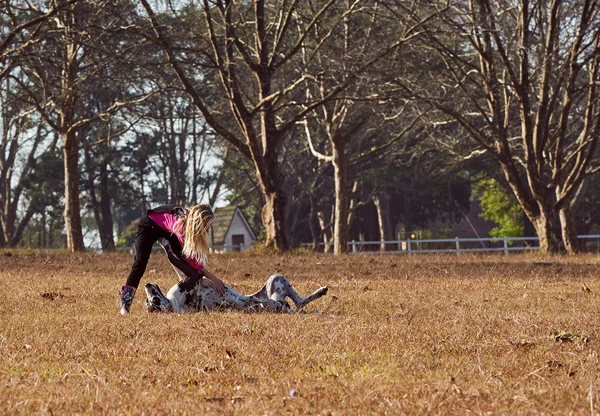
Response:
column 194, row 226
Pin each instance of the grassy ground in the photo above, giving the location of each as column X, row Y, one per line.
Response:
column 395, row 335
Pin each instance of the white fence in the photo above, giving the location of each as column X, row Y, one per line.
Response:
column 456, row 245
column 227, row 248
column 217, row 248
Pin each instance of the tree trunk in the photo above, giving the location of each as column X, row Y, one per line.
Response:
column 548, row 229
column 105, row 226
column 340, row 228
column 271, row 181
column 9, row 208
column 18, row 235
column 174, row 170
column 143, row 202
column 311, row 221
column 273, row 212
column 382, row 202
column 273, row 217
column 72, row 208
column 352, row 207
column 91, row 187
column 68, row 100
column 220, row 178
column 11, row 195
column 2, row 236
column 10, row 217
column 407, row 208
column 44, row 233
column 569, row 230
column 51, row 233
column 539, row 205
column 325, row 231
column 293, row 216
column 181, row 179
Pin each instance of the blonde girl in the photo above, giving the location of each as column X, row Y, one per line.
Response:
column 187, row 233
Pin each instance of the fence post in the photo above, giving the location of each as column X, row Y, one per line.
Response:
column 353, row 246
column 408, row 248
column 505, row 246
column 457, row 246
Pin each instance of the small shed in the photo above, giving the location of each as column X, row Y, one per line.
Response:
column 231, row 231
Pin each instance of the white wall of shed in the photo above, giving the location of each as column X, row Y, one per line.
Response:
column 238, row 226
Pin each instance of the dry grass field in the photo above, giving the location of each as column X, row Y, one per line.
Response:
column 395, row 335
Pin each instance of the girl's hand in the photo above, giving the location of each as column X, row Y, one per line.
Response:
column 218, row 284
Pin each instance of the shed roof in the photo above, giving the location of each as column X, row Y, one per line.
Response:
column 222, row 222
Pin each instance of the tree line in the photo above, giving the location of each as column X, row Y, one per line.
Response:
column 323, row 118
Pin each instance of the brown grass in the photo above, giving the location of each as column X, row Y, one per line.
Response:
column 395, row 335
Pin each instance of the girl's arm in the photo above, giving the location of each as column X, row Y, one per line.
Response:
column 185, row 266
column 217, row 283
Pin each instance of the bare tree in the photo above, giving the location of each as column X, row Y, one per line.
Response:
column 520, row 78
column 358, row 114
column 73, row 51
column 22, row 25
column 183, row 145
column 254, row 50
column 381, row 199
column 21, row 138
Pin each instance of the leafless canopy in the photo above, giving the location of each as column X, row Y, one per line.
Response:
column 521, row 79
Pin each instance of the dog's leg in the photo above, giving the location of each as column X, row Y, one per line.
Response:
column 262, row 293
column 253, row 303
column 278, row 288
column 271, row 297
column 164, row 243
column 261, row 301
column 211, row 300
column 257, row 302
column 322, row 291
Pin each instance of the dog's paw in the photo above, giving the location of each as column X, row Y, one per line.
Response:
column 322, row 291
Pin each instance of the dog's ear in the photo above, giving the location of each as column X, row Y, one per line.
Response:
column 159, row 292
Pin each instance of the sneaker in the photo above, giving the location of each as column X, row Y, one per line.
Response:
column 127, row 293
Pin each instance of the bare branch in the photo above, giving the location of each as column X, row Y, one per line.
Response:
column 315, row 153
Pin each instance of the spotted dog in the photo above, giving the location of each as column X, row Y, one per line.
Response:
column 194, row 294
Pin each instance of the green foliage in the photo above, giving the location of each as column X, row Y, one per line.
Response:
column 45, row 184
column 127, row 237
column 500, row 206
column 260, row 249
column 43, row 187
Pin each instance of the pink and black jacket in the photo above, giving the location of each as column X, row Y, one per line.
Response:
column 156, row 225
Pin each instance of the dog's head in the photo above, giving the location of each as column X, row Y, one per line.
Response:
column 155, row 300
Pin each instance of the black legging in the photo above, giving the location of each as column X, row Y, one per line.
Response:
column 146, row 234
